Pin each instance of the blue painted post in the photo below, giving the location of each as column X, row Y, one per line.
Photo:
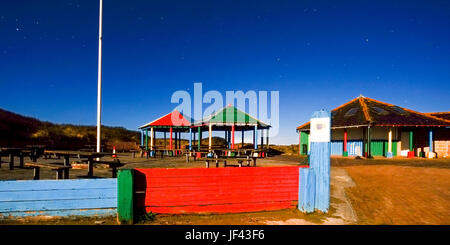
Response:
column 190, row 139
column 142, row 137
column 306, row 191
column 320, row 139
column 430, row 139
column 255, row 139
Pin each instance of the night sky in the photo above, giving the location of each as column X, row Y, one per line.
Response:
column 318, row 54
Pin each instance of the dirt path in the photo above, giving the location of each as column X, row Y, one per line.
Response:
column 400, row 195
column 341, row 211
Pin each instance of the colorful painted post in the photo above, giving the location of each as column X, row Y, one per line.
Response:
column 170, row 138
column 320, row 139
column 242, row 139
column 190, row 139
column 411, row 145
column 210, row 137
column 232, row 136
column 146, row 139
column 142, row 137
column 306, row 190
column 125, row 196
column 369, row 142
column 262, row 138
column 299, row 143
column 389, row 152
column 176, row 140
column 430, row 139
column 151, row 138
column 431, row 153
column 199, row 143
column 165, row 138
column 255, row 137
column 345, row 153
column 267, row 140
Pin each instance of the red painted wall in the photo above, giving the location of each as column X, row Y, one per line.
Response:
column 216, row 190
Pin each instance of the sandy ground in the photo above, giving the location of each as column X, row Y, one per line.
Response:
column 400, row 195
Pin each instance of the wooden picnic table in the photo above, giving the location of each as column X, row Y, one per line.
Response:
column 175, row 152
column 79, row 154
column 240, row 160
column 58, row 168
column 12, row 152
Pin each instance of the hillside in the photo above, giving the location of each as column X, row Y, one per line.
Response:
column 18, row 131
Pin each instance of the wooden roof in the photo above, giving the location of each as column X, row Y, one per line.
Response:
column 442, row 115
column 363, row 111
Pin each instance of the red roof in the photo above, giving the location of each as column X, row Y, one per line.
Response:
column 174, row 119
column 363, row 111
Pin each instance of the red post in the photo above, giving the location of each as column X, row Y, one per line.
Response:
column 170, row 140
column 232, row 136
column 345, row 141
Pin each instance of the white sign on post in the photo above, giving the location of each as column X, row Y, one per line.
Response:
column 320, row 129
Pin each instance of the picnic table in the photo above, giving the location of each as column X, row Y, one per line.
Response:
column 225, row 159
column 61, row 171
column 162, row 152
column 12, row 152
column 90, row 156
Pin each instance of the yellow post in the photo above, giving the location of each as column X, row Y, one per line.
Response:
column 151, row 138
column 389, row 153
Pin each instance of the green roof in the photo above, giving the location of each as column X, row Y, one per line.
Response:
column 231, row 115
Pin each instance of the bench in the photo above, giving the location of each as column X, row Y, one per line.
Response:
column 240, row 160
column 61, row 171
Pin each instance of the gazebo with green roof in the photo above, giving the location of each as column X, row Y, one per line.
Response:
column 230, row 119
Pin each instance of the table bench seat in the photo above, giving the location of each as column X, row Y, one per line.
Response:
column 240, row 161
column 61, row 171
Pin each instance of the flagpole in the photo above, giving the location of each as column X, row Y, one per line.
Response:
column 99, row 88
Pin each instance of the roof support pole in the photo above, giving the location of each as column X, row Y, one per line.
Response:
column 411, row 145
column 255, row 137
column 232, row 136
column 152, row 135
column 210, row 137
column 242, row 139
column 199, row 143
column 170, row 138
column 430, row 139
column 190, row 139
column 369, row 142
column 146, row 139
column 299, row 143
column 176, row 140
column 226, row 137
column 389, row 153
column 142, row 137
column 267, row 139
column 345, row 153
column 262, row 138
column 165, row 145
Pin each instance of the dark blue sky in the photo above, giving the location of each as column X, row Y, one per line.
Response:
column 318, row 54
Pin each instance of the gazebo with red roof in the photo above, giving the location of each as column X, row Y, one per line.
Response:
column 173, row 122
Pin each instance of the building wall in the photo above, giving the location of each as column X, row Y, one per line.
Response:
column 400, row 135
column 442, row 148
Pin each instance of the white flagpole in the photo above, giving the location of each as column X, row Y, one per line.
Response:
column 99, row 89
